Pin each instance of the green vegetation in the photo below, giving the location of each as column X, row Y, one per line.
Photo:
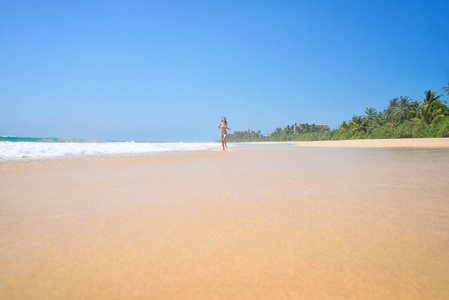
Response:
column 402, row 118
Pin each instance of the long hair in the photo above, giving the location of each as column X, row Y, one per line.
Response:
column 225, row 121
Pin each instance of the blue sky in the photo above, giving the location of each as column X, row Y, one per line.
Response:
column 168, row 70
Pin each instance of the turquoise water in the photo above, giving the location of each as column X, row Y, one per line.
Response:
column 59, row 140
column 45, row 140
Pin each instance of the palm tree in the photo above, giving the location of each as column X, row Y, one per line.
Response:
column 393, row 103
column 381, row 119
column 431, row 97
column 285, row 130
column 434, row 112
column 371, row 115
column 402, row 110
column 358, row 123
column 414, row 109
column 446, row 89
column 432, row 109
column 343, row 126
column 305, row 127
column 389, row 110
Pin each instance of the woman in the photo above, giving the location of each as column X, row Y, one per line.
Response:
column 223, row 126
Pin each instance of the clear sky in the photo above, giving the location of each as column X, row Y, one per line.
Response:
column 169, row 70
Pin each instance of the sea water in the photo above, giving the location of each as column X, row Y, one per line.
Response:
column 16, row 148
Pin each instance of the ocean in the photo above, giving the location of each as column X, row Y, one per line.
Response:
column 17, row 148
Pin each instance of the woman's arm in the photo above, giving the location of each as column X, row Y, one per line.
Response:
column 228, row 128
column 219, row 125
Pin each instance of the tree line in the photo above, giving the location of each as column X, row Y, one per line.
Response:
column 403, row 117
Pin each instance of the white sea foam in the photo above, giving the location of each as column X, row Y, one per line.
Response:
column 40, row 150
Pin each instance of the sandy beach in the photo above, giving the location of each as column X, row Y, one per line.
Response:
column 273, row 221
column 381, row 143
column 374, row 143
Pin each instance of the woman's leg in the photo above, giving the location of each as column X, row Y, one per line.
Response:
column 222, row 141
column 225, row 137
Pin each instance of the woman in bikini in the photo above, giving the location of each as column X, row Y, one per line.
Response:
column 223, row 126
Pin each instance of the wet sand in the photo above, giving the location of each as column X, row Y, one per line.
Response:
column 262, row 222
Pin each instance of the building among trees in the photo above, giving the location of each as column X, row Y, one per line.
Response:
column 322, row 127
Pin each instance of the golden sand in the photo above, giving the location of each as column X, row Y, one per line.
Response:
column 374, row 143
column 381, row 143
column 263, row 223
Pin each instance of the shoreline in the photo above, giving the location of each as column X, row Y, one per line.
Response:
column 422, row 143
column 366, row 143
